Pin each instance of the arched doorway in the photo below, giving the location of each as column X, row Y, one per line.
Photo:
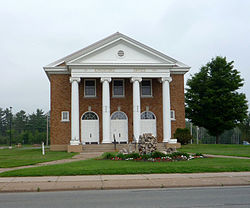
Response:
column 148, row 123
column 90, row 128
column 119, row 127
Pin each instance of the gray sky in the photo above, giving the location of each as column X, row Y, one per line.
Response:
column 35, row 33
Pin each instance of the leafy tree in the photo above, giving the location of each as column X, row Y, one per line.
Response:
column 212, row 100
column 245, row 128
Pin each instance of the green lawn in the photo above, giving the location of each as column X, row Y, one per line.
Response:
column 20, row 157
column 218, row 149
column 95, row 167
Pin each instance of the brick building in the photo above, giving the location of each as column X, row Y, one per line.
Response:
column 116, row 87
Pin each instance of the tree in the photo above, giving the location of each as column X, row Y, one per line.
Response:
column 245, row 128
column 212, row 100
column 20, row 121
column 37, row 121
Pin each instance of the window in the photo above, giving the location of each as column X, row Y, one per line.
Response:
column 118, row 88
column 89, row 116
column 118, row 115
column 147, row 115
column 65, row 116
column 89, row 88
column 146, row 88
column 172, row 115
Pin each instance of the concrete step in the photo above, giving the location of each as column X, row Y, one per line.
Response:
column 102, row 147
column 110, row 147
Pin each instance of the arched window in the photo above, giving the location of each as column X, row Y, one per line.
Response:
column 118, row 115
column 147, row 115
column 89, row 116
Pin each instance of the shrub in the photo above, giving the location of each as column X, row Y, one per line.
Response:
column 146, row 156
column 157, row 154
column 178, row 154
column 108, row 155
column 120, row 155
column 183, row 135
column 133, row 155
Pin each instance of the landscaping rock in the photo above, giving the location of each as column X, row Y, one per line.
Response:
column 147, row 144
column 170, row 150
column 123, row 151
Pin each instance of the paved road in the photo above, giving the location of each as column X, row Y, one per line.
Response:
column 140, row 198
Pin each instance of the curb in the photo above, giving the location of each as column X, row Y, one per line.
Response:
column 108, row 182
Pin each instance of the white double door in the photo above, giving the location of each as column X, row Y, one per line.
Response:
column 148, row 126
column 90, row 131
column 119, row 129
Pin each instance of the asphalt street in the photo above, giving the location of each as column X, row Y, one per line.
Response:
column 172, row 197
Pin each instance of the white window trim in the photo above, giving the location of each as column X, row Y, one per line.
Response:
column 172, row 118
column 147, row 96
column 62, row 119
column 123, row 90
column 91, row 96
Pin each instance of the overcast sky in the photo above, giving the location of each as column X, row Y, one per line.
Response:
column 36, row 33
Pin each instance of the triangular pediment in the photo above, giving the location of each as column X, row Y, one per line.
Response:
column 117, row 49
column 120, row 52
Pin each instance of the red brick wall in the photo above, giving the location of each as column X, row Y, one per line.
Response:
column 95, row 103
column 177, row 101
column 60, row 96
column 61, row 99
column 155, row 105
column 126, row 105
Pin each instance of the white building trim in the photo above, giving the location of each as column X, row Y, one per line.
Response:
column 139, row 62
column 75, row 128
column 106, row 109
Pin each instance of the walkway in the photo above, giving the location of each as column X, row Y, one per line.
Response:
column 81, row 156
column 226, row 156
column 57, row 183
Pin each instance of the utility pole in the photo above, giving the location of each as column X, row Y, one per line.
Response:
column 10, row 126
column 197, row 135
column 191, row 132
column 47, row 139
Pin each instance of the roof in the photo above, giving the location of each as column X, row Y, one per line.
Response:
column 67, row 60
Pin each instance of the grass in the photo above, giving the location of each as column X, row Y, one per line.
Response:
column 218, row 149
column 20, row 157
column 95, row 167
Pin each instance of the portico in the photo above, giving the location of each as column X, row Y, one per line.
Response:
column 116, row 87
column 107, row 137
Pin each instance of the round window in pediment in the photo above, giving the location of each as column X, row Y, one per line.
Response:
column 120, row 53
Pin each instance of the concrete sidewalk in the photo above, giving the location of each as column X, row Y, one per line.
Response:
column 57, row 183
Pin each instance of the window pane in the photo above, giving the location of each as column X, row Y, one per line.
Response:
column 172, row 114
column 65, row 116
column 118, row 87
column 89, row 88
column 147, row 115
column 146, row 87
column 89, row 83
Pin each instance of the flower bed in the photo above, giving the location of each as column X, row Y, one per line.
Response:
column 152, row 157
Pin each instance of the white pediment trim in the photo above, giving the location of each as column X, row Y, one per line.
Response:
column 72, row 58
column 148, row 55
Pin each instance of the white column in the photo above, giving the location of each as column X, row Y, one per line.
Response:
column 75, row 139
column 136, row 107
column 106, row 110
column 166, row 110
